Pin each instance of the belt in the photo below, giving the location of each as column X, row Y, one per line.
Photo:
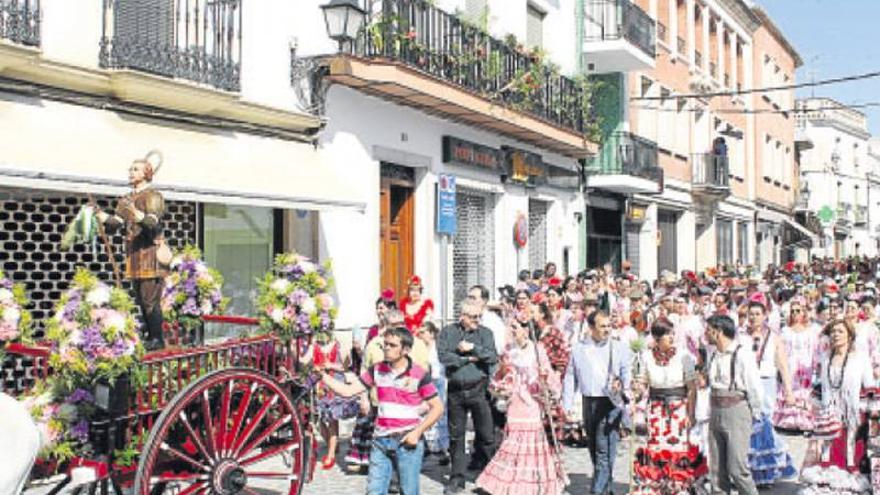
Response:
column 726, row 400
column 461, row 387
column 667, row 393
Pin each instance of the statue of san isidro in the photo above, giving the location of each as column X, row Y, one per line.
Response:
column 148, row 255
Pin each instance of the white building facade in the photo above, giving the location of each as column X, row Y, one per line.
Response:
column 839, row 177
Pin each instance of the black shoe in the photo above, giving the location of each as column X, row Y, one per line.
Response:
column 394, row 487
column 154, row 345
column 475, row 466
column 443, row 459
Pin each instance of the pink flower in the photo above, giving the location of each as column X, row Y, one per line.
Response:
column 8, row 331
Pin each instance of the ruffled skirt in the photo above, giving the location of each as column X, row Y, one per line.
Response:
column 797, row 417
column 769, row 459
column 361, row 439
column 670, row 464
column 524, row 463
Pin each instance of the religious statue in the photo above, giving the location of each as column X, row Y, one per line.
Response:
column 147, row 254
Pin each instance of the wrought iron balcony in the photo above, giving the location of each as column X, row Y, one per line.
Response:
column 861, row 216
column 626, row 164
column 420, row 36
column 196, row 40
column 20, row 21
column 710, row 174
column 618, row 36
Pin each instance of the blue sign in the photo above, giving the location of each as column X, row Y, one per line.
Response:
column 446, row 221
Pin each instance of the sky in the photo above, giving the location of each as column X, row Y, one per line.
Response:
column 834, row 38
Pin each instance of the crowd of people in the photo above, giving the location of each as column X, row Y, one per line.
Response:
column 707, row 371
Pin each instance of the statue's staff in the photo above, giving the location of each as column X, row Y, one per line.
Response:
column 117, row 275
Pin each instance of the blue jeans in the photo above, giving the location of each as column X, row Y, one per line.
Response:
column 602, row 422
column 388, row 455
column 438, row 436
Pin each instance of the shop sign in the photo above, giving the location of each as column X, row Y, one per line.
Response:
column 446, row 220
column 636, row 214
column 461, row 152
column 524, row 167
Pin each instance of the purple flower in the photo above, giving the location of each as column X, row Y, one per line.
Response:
column 80, row 395
column 298, row 296
column 6, row 283
column 80, row 431
column 190, row 307
column 303, row 323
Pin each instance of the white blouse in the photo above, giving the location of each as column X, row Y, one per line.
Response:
column 674, row 374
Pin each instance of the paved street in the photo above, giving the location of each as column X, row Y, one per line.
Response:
column 337, row 482
column 576, row 461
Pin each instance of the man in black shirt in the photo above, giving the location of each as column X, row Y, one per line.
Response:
column 467, row 351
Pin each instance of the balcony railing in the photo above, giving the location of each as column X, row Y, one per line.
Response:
column 661, row 31
column 627, row 154
column 861, row 217
column 615, row 19
column 20, row 21
column 682, row 45
column 711, row 170
column 698, row 59
column 196, row 40
column 713, row 70
column 418, row 35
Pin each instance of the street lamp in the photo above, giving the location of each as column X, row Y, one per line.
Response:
column 344, row 20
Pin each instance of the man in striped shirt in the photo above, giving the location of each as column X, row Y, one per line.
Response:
column 401, row 389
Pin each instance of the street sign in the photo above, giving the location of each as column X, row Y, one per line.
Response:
column 446, row 221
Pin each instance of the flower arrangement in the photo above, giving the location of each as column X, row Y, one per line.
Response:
column 15, row 320
column 293, row 298
column 192, row 290
column 61, row 419
column 93, row 334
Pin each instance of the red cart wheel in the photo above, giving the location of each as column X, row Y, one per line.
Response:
column 232, row 432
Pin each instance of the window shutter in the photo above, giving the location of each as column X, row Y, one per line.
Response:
column 534, row 28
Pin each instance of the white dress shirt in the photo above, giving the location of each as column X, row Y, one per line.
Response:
column 747, row 378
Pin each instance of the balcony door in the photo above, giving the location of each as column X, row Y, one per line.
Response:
column 667, row 252
column 396, row 226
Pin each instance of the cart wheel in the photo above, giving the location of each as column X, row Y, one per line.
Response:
column 234, row 431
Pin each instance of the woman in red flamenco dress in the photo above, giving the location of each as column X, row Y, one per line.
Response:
column 416, row 308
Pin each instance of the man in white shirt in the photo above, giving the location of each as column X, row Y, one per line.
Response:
column 735, row 389
column 480, row 295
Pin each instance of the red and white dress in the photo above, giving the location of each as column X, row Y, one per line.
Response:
column 670, row 464
column 413, row 319
column 525, row 463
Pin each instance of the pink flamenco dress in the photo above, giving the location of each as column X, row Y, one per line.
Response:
column 525, row 463
column 802, row 350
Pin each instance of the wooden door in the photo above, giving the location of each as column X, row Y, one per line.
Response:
column 396, row 218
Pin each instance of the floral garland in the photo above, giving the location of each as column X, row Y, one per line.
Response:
column 293, row 299
column 192, row 290
column 15, row 320
column 93, row 334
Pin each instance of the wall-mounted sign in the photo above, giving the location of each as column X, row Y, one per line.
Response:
column 524, row 167
column 446, row 219
column 636, row 214
column 461, row 152
column 521, row 231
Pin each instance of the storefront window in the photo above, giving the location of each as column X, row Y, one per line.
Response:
column 742, row 241
column 239, row 241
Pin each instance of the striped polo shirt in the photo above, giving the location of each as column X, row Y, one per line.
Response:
column 400, row 396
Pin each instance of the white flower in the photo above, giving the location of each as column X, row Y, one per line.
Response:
column 11, row 315
column 280, row 285
column 5, row 295
column 116, row 321
column 307, row 266
column 309, row 307
column 207, row 308
column 175, row 262
column 99, row 296
column 277, row 315
column 201, row 268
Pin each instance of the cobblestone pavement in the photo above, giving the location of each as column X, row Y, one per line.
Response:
column 577, row 462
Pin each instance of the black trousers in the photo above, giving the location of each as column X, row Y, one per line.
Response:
column 459, row 404
column 148, row 295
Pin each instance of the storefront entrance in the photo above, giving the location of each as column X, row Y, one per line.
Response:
column 604, row 237
column 667, row 241
column 396, row 218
